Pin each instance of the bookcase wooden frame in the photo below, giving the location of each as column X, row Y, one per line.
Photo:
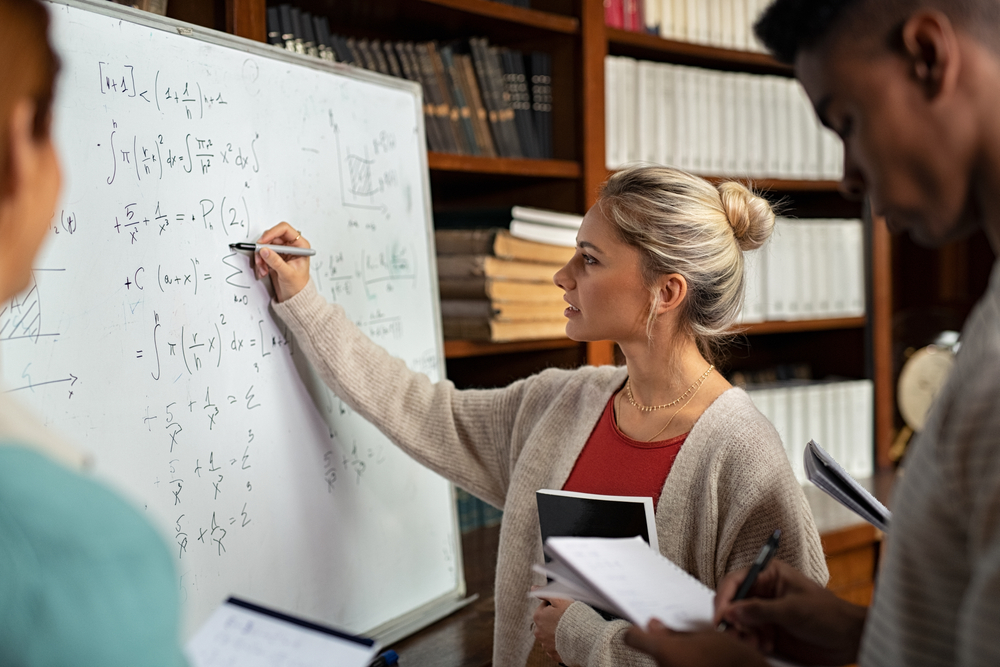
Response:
column 583, row 21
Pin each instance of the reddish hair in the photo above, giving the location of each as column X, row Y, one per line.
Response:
column 29, row 68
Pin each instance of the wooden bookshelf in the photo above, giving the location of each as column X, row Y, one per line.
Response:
column 795, row 326
column 650, row 47
column 459, row 349
column 575, row 34
column 474, row 164
column 568, row 25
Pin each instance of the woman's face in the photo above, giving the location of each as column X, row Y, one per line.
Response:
column 37, row 180
column 603, row 284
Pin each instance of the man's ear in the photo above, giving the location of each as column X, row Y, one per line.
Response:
column 19, row 143
column 673, row 292
column 931, row 45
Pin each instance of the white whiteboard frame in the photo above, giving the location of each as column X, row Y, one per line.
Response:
column 393, row 630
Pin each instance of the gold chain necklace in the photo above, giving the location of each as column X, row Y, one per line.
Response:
column 650, row 408
column 679, row 410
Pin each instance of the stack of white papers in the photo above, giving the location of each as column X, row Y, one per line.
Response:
column 242, row 634
column 626, row 578
column 823, row 471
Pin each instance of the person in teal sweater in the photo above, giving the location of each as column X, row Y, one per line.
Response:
column 85, row 580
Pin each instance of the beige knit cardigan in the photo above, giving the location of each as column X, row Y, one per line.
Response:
column 729, row 488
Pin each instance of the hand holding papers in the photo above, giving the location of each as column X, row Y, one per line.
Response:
column 627, row 578
column 823, row 471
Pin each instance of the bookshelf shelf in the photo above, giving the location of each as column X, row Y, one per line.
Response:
column 795, row 326
column 503, row 165
column 458, row 349
column 651, row 47
column 568, row 25
column 780, row 184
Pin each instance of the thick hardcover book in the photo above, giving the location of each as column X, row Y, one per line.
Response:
column 411, row 68
column 490, row 97
column 541, row 100
column 274, row 27
column 497, row 290
column 542, row 233
column 513, row 81
column 496, row 331
column 465, row 266
column 480, row 121
column 573, row 514
column 504, row 101
column 442, row 110
column 499, row 243
column 502, row 311
column 459, row 100
column 444, row 86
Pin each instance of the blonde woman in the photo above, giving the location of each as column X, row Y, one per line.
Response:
column 659, row 270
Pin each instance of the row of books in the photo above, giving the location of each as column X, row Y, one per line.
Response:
column 808, row 270
column 727, row 24
column 496, row 285
column 712, row 122
column 838, row 415
column 479, row 99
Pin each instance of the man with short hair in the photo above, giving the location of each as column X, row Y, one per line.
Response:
column 913, row 89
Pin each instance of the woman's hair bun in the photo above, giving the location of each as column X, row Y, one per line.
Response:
column 750, row 215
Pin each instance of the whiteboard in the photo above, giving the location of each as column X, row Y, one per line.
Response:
column 146, row 341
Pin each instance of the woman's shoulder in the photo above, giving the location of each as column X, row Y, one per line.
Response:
column 733, row 424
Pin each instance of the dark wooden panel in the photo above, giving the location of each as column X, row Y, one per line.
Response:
column 500, row 370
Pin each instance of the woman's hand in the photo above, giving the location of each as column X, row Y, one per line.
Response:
column 289, row 274
column 546, row 619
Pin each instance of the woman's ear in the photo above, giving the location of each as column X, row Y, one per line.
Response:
column 673, row 291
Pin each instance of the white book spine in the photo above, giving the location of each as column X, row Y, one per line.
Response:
column 815, row 416
column 797, row 125
column 700, row 121
column 777, row 271
column 799, row 293
column 679, row 11
column 732, row 142
column 715, row 18
column 741, row 25
column 798, row 433
column 665, row 114
column 611, row 122
column 666, row 19
column 715, row 130
column 691, row 20
column 811, row 137
column 819, row 275
column 753, row 302
column 651, row 15
column 781, row 91
column 864, row 452
column 854, row 273
column 646, row 142
column 704, row 22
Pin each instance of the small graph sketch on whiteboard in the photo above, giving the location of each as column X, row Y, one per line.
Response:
column 362, row 180
column 21, row 317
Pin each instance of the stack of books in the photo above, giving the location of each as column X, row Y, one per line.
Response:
column 479, row 99
column 497, row 286
column 727, row 24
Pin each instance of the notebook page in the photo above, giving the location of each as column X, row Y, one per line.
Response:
column 637, row 580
